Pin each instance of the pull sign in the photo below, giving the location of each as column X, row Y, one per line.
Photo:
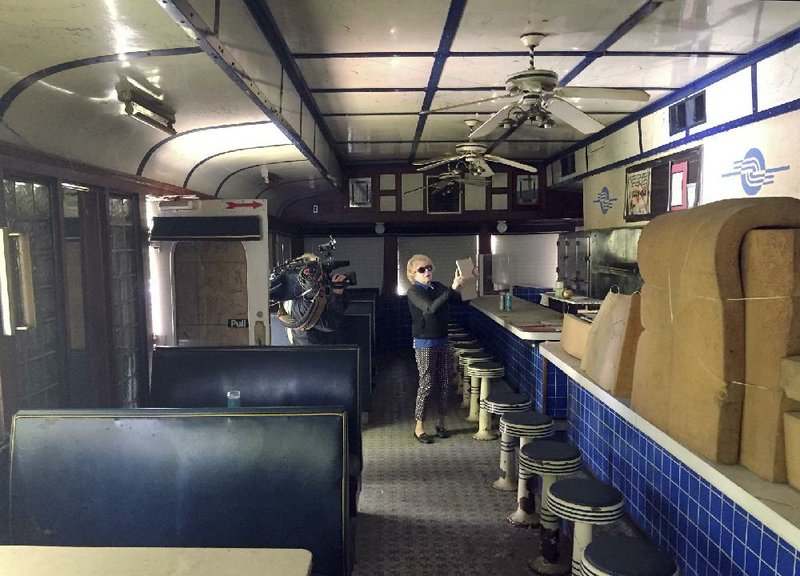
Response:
column 238, row 323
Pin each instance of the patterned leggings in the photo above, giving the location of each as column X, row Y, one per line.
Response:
column 434, row 371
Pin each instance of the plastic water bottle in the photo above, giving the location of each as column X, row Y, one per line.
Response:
column 507, row 301
column 234, row 399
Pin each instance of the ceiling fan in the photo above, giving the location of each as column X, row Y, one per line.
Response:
column 474, row 157
column 536, row 95
column 447, row 182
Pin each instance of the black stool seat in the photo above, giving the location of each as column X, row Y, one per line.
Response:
column 485, row 369
column 466, row 347
column 466, row 358
column 549, row 457
column 457, row 333
column 526, row 424
column 585, row 500
column 462, row 340
column 622, row 556
column 502, row 401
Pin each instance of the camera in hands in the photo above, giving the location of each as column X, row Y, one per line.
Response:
column 302, row 277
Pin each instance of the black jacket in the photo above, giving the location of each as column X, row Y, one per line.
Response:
column 429, row 311
column 326, row 330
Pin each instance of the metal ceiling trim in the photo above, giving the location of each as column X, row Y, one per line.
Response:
column 149, row 153
column 272, row 34
column 12, row 93
column 218, row 154
column 235, row 172
column 748, row 60
column 514, row 54
column 284, row 183
column 182, row 12
column 454, row 14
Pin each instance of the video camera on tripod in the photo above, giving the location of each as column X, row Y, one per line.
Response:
column 303, row 277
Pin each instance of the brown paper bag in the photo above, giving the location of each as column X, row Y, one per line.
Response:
column 611, row 345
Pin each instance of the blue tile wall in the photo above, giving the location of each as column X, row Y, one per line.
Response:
column 529, row 293
column 706, row 531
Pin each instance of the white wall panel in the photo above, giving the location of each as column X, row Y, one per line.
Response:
column 623, row 143
column 655, row 130
column 727, row 100
column 365, row 255
column 410, row 201
column 778, row 80
column 534, row 258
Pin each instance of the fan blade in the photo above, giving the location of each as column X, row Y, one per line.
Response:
column 461, row 104
column 494, row 121
column 513, row 163
column 632, row 94
column 432, row 160
column 565, row 111
column 485, row 170
column 440, row 163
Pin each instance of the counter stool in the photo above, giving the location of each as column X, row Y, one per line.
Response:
column 586, row 502
column 624, row 556
column 458, row 333
column 526, row 426
column 485, row 371
column 500, row 402
column 474, row 386
column 457, row 348
column 550, row 460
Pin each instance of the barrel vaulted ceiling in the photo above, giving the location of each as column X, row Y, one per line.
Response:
column 301, row 91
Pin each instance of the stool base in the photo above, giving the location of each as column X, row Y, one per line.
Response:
column 506, row 484
column 485, row 435
column 525, row 515
column 541, row 566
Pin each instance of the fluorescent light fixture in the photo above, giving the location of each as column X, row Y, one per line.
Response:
column 145, row 105
column 75, row 187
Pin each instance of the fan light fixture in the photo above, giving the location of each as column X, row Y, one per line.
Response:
column 145, row 105
column 502, row 226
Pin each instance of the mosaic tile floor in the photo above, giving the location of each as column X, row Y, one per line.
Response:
column 430, row 509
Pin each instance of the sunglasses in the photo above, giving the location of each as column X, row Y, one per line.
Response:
column 422, row 269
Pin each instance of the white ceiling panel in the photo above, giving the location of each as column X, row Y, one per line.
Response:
column 489, row 71
column 368, row 102
column 249, row 183
column 392, row 72
column 38, row 35
column 573, row 25
column 642, row 71
column 370, row 128
column 530, row 151
column 322, row 26
column 708, row 26
column 173, row 161
column 428, row 150
column 560, row 131
column 210, row 173
column 381, row 151
column 447, row 127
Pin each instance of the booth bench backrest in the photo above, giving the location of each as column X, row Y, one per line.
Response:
column 267, row 478
column 265, row 376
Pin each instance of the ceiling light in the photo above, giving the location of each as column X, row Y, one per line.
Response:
column 380, row 228
column 502, row 226
column 145, row 106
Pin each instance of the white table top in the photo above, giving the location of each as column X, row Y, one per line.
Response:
column 74, row 561
column 526, row 320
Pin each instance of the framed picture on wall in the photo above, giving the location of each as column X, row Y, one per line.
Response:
column 360, row 192
column 443, row 197
column 527, row 191
column 638, row 184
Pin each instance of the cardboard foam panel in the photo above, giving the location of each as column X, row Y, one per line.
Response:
column 771, row 283
column 694, row 327
column 791, row 423
column 790, row 376
column 573, row 335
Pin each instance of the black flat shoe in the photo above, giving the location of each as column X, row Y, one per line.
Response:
column 441, row 432
column 424, row 438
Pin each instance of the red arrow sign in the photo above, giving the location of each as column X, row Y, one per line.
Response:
column 253, row 205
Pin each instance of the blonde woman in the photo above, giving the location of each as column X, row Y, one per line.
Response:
column 428, row 304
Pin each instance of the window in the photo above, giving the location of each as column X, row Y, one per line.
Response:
column 687, row 113
column 568, row 165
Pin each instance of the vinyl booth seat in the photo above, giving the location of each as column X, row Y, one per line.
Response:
column 264, row 376
column 238, row 477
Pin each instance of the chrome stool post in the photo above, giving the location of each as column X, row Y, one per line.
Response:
column 526, row 426
column 465, row 359
column 550, row 460
column 485, row 371
column 586, row 502
column 500, row 402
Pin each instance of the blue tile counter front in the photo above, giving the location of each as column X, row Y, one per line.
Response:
column 684, row 504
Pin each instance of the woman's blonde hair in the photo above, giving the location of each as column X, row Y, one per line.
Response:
column 411, row 267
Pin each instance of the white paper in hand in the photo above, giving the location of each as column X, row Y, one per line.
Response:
column 469, row 289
